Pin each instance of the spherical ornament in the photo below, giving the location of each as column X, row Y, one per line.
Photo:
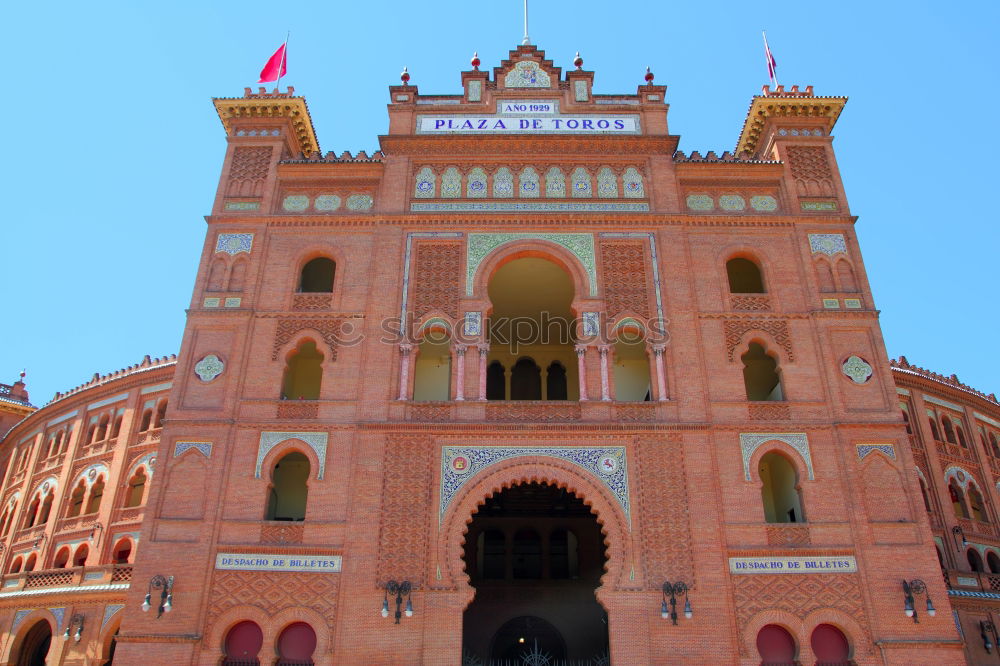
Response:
column 475, row 60
column 404, row 76
column 578, row 61
column 649, row 76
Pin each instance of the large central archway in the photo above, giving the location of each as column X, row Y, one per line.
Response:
column 535, row 555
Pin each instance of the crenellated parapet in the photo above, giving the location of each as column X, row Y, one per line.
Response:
column 234, row 111
column 901, row 364
column 147, row 363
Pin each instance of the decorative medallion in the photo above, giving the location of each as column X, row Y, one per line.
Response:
column 295, row 203
column 424, row 189
column 632, row 183
column 829, row 244
column 764, row 203
column 315, row 440
column 234, row 243
column 529, row 184
column 607, row 464
column 92, row 474
column 700, row 202
column 527, row 74
column 45, row 488
column 503, row 183
column 473, row 324
column 360, row 202
column 607, row 184
column 581, row 183
column 480, row 245
column 476, row 187
column 751, row 441
column 732, row 202
column 555, row 183
column 857, row 369
column 209, row 368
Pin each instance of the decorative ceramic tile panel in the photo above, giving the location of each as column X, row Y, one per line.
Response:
column 529, row 207
column 327, row 203
column 751, row 441
column 764, row 203
column 632, row 184
column 555, row 183
column 700, row 202
column 732, row 202
column 581, row 183
column 205, row 448
column 819, row 206
column 19, row 618
column 476, row 186
column 829, row 244
column 480, row 245
column 852, row 303
column 451, row 183
column 315, row 440
column 607, row 184
column 360, row 202
column 242, row 205
column 426, row 183
column 109, row 611
column 473, row 324
column 591, row 324
column 211, row 302
column 58, row 614
column 831, row 304
column 527, row 74
column 503, row 183
column 234, row 243
column 528, row 188
column 864, row 449
column 460, row 464
column 475, row 87
column 295, row 203
column 209, row 367
column 580, row 90
column 857, row 369
column 233, row 302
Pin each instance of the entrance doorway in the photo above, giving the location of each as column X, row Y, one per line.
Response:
column 35, row 646
column 535, row 555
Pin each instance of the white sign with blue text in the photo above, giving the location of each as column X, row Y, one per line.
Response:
column 285, row 562
column 810, row 564
column 542, row 121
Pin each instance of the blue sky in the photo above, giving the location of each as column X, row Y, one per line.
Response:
column 113, row 148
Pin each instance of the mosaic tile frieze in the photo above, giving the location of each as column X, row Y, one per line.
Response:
column 700, row 202
column 315, row 440
column 732, row 203
column 234, row 243
column 460, row 464
column 829, row 244
column 295, row 203
column 327, row 203
column 480, row 245
column 360, row 202
column 750, row 442
column 764, row 203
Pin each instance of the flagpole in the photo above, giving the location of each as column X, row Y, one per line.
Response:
column 526, row 40
column 281, row 65
column 771, row 69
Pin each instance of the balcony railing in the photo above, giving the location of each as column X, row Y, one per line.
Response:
column 972, row 580
column 71, row 576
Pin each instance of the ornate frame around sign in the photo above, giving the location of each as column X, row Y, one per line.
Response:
column 483, row 457
column 751, row 441
column 315, row 440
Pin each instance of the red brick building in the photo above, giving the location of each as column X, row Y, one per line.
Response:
column 529, row 381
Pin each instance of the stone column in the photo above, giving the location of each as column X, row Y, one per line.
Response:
column 661, row 379
column 484, row 352
column 460, row 372
column 605, row 392
column 581, row 365
column 404, row 371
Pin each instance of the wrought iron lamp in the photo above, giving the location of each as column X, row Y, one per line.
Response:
column 910, row 588
column 77, row 621
column 675, row 590
column 93, row 530
column 398, row 590
column 166, row 585
column 988, row 631
column 957, row 532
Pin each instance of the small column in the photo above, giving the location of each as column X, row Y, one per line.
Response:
column 404, row 371
column 581, row 368
column 605, row 389
column 661, row 379
column 484, row 352
column 460, row 372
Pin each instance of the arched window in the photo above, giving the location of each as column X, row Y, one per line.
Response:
column 15, row 566
column 136, row 488
column 934, row 429
column 317, row 276
column 527, row 554
column 161, row 412
column 824, row 276
column 563, row 555
column 296, row 644
column 432, row 370
column 80, row 557
column 776, row 646
column 760, row 375
column 906, row 422
column 976, row 505
column 92, row 433
column 96, row 493
column 237, row 277
column 217, row 275
column 122, row 551
column 287, row 500
column 102, row 428
column 846, row 275
column 61, row 559
column 555, row 382
column 993, row 445
column 780, row 493
column 923, row 493
column 993, row 562
column 493, row 547
column 46, row 510
column 147, row 418
column 243, row 643
column 303, row 373
column 496, row 381
column 631, row 370
column 961, row 437
column 61, row 439
column 32, row 513
column 76, row 500
column 744, row 277
column 830, row 645
column 117, row 427
column 29, row 565
column 949, row 430
column 957, row 499
column 526, row 380
column 975, row 561
column 3, row 522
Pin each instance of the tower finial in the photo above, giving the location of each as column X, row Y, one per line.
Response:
column 475, row 60
column 526, row 40
column 404, row 76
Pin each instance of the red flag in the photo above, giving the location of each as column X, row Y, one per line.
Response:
column 276, row 67
column 771, row 64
